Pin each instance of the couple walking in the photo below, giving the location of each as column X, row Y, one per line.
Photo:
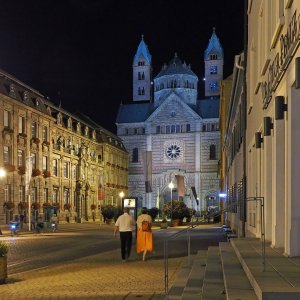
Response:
column 144, row 241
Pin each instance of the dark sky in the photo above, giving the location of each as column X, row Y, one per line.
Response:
column 80, row 52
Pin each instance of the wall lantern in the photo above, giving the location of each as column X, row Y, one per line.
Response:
column 280, row 107
column 258, row 140
column 268, row 125
column 297, row 71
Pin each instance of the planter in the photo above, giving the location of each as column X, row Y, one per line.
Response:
column 176, row 222
column 108, row 221
column 163, row 225
column 3, row 269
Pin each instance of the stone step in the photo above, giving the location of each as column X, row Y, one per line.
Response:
column 193, row 287
column 237, row 285
column 182, row 275
column 281, row 278
column 213, row 284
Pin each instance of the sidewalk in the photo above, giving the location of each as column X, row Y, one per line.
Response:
column 101, row 276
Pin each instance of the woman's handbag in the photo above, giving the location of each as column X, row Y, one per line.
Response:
column 146, row 226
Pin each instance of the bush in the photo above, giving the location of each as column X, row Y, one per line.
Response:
column 179, row 210
column 153, row 212
column 3, row 248
column 108, row 211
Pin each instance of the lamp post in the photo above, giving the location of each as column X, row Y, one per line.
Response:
column 171, row 186
column 2, row 174
column 121, row 196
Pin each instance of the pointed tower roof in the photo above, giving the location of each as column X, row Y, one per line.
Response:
column 143, row 51
column 214, row 44
column 175, row 66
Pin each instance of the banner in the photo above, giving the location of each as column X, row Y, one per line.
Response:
column 195, row 194
column 28, row 174
column 180, row 185
column 147, row 165
column 100, row 188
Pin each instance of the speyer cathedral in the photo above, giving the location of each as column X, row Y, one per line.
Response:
column 170, row 134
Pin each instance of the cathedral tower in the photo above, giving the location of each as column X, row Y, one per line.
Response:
column 214, row 60
column 142, row 73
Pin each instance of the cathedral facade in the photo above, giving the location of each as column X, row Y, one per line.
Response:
column 173, row 136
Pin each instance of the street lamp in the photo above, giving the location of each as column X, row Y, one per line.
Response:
column 171, row 186
column 121, row 196
column 2, row 174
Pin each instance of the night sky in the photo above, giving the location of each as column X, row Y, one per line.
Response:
column 79, row 52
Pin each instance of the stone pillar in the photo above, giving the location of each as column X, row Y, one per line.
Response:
column 292, row 230
column 279, row 213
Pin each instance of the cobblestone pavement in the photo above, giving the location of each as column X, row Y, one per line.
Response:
column 100, row 276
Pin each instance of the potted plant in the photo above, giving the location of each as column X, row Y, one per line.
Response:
column 46, row 174
column 36, row 172
column 164, row 223
column 3, row 261
column 177, row 210
column 67, row 206
column 35, row 205
column 108, row 213
column 93, row 206
column 153, row 212
column 22, row 205
column 8, row 205
column 21, row 170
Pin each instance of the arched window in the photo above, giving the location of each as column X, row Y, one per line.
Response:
column 143, row 76
column 139, row 91
column 212, row 152
column 139, row 76
column 188, row 127
column 135, row 155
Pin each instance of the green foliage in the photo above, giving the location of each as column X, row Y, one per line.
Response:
column 179, row 210
column 118, row 212
column 108, row 211
column 153, row 212
column 3, row 248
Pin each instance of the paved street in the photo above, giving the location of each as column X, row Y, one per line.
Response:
column 82, row 261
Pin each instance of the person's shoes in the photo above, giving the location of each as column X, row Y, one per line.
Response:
column 124, row 260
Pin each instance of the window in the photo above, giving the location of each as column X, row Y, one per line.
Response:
column 21, row 127
column 21, row 158
column 45, row 194
column 45, row 133
column 188, row 127
column 157, row 129
column 34, row 194
column 213, row 69
column 141, row 63
column 66, row 170
column 7, row 192
column 54, row 167
column 214, row 86
column 135, row 155
column 203, row 127
column 212, row 152
column 66, row 196
column 173, row 127
column 34, row 160
column 173, row 114
column 213, row 56
column 74, row 171
column 168, row 129
column 177, row 128
column 21, row 193
column 45, row 163
column 6, row 154
column 6, row 119
column 55, row 195
column 34, row 129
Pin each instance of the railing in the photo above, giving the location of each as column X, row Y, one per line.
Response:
column 166, row 253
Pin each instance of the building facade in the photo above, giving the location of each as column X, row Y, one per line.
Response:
column 173, row 136
column 271, row 142
column 53, row 159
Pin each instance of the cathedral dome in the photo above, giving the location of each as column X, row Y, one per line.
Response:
column 175, row 66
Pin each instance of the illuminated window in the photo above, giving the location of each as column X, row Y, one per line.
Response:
column 21, row 128
column 213, row 69
column 54, row 167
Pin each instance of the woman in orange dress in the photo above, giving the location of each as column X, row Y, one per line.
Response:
column 144, row 242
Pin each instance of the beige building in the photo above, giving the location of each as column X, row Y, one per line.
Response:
column 268, row 155
column 76, row 164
